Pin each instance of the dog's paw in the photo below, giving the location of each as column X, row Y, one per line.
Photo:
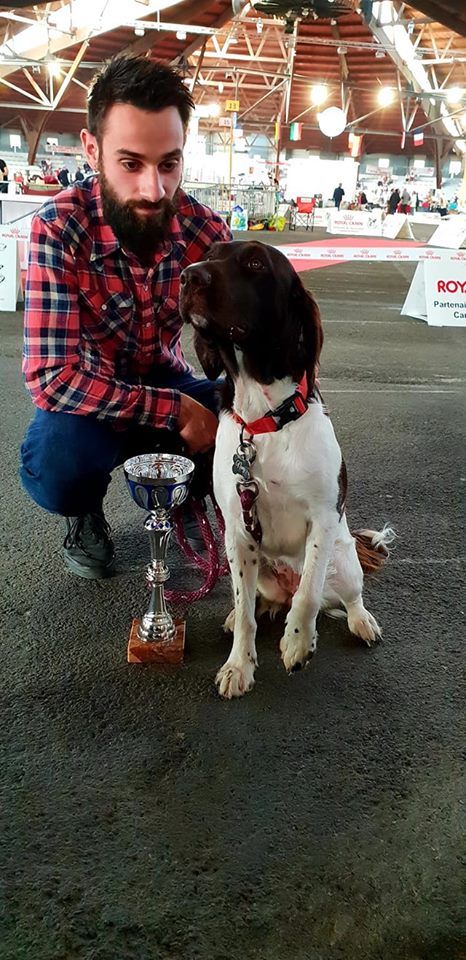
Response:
column 229, row 624
column 364, row 625
column 297, row 646
column 234, row 680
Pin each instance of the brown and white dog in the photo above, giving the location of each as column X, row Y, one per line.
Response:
column 283, row 495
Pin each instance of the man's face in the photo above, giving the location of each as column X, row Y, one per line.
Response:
column 139, row 156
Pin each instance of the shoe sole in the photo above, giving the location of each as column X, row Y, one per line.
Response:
column 89, row 573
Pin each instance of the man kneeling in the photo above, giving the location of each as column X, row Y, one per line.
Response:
column 103, row 360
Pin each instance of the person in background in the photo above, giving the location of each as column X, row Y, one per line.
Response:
column 3, row 176
column 393, row 201
column 78, row 174
column 103, row 360
column 64, row 177
column 405, row 202
column 87, row 169
column 338, row 195
column 441, row 203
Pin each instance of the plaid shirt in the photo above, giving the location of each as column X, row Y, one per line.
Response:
column 99, row 326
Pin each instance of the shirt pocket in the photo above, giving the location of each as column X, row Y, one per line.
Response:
column 107, row 319
column 167, row 315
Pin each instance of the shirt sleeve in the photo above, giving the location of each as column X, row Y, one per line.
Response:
column 53, row 369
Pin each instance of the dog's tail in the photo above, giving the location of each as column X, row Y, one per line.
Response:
column 372, row 547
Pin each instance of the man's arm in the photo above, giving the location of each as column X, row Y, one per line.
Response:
column 53, row 368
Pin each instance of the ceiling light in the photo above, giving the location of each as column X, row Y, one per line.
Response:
column 220, row 87
column 181, row 34
column 454, row 95
column 379, row 54
column 259, row 25
column 385, row 96
column 54, row 69
column 332, row 121
column 319, row 94
column 233, row 40
column 139, row 31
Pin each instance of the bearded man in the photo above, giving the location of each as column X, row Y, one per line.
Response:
column 102, row 358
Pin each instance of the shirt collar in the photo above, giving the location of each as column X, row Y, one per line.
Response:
column 105, row 242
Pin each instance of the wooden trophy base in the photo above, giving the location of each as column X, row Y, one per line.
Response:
column 141, row 652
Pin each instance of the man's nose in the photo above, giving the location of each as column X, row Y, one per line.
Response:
column 152, row 188
column 197, row 275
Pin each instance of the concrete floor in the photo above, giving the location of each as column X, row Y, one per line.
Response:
column 318, row 817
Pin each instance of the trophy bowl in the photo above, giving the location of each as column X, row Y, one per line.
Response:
column 158, row 482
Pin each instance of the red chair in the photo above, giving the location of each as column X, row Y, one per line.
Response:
column 304, row 213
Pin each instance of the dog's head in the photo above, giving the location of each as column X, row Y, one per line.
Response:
column 247, row 295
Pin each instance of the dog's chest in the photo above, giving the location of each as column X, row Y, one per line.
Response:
column 296, row 472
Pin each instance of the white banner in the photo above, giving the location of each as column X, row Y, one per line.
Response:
column 407, row 254
column 438, row 293
column 8, row 274
column 451, row 233
column 415, row 303
column 445, row 287
column 19, row 231
column 321, row 216
column 396, row 227
column 355, row 221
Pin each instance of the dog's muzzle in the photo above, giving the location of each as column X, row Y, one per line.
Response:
column 195, row 277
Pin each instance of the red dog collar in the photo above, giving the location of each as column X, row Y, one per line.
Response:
column 291, row 409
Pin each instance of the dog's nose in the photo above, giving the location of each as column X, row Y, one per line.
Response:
column 198, row 275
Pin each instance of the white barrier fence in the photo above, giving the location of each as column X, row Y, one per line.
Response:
column 437, row 293
column 321, row 252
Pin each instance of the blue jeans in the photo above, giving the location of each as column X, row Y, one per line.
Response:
column 67, row 459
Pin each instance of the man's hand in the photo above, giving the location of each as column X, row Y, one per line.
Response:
column 196, row 424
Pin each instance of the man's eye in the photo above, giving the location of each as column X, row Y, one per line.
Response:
column 170, row 165
column 130, row 165
column 255, row 264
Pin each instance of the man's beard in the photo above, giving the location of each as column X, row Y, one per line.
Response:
column 139, row 233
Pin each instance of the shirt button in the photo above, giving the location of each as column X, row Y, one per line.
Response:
column 104, row 306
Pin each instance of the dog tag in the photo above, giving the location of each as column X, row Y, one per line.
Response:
column 242, row 459
column 241, row 466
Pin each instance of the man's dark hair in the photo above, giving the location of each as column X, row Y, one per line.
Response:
column 140, row 82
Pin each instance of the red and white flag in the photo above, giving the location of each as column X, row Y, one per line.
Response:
column 418, row 137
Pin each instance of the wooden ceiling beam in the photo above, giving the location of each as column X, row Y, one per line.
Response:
column 447, row 13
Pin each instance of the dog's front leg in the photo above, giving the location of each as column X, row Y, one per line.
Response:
column 237, row 674
column 299, row 641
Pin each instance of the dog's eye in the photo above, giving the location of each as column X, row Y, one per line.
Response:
column 255, row 264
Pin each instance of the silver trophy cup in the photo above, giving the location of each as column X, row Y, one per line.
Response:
column 158, row 482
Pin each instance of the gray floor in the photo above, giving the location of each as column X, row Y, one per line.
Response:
column 318, row 817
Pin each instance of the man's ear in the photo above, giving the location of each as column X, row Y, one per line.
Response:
column 306, row 315
column 91, row 148
column 208, row 355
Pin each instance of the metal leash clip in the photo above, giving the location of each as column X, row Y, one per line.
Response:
column 243, row 459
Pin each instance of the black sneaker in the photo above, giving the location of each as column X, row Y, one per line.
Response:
column 88, row 548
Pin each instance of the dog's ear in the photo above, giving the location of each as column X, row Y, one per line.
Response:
column 308, row 332
column 208, row 356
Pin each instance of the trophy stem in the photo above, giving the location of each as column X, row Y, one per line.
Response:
column 157, row 625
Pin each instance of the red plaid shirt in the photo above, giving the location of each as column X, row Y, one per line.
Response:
column 99, row 325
